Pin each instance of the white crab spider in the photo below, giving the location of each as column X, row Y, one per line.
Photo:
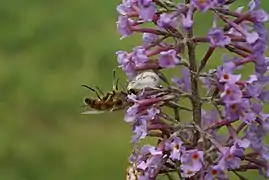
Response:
column 146, row 79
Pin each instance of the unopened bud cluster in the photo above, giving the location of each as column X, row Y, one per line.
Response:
column 194, row 146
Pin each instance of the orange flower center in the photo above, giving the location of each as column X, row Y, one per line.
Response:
column 176, row 146
column 226, row 76
column 242, row 114
column 195, row 156
column 189, row 172
column 234, row 107
column 202, row 1
column 214, row 172
column 228, row 92
column 229, row 157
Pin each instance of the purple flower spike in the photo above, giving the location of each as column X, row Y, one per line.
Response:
column 139, row 55
column 140, row 131
column 217, row 38
column 175, row 145
column 216, row 172
column 186, row 136
column 125, row 8
column 248, row 117
column 228, row 78
column 231, row 158
column 149, row 38
column 251, row 37
column 124, row 59
column 152, row 112
column 232, row 94
column 147, row 10
column 167, row 20
column 202, row 5
column 192, row 162
column 260, row 16
column 131, row 113
column 168, row 59
column 124, row 26
column 187, row 20
column 184, row 82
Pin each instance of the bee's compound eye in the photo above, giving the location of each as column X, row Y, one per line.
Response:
column 145, row 80
column 87, row 101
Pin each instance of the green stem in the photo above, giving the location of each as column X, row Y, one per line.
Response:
column 196, row 99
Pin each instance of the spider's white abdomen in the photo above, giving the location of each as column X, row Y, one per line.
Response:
column 144, row 80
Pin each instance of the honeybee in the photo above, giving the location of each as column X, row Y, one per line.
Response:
column 117, row 99
column 111, row 101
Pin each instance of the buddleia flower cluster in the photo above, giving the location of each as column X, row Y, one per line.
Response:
column 207, row 143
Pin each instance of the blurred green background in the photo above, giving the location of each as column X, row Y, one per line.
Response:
column 48, row 49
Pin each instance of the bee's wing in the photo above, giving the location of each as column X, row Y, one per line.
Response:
column 93, row 112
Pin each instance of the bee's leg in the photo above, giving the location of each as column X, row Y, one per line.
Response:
column 109, row 96
column 162, row 77
column 176, row 114
column 106, row 98
column 115, row 81
column 175, row 108
column 123, row 87
column 117, row 84
column 117, row 104
column 92, row 90
column 115, row 108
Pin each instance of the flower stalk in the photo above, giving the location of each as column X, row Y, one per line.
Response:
column 196, row 101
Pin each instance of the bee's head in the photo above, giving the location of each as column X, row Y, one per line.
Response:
column 88, row 101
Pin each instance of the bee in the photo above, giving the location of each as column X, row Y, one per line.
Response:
column 117, row 99
column 111, row 101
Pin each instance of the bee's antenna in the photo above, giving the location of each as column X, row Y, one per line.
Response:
column 92, row 90
column 83, row 85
